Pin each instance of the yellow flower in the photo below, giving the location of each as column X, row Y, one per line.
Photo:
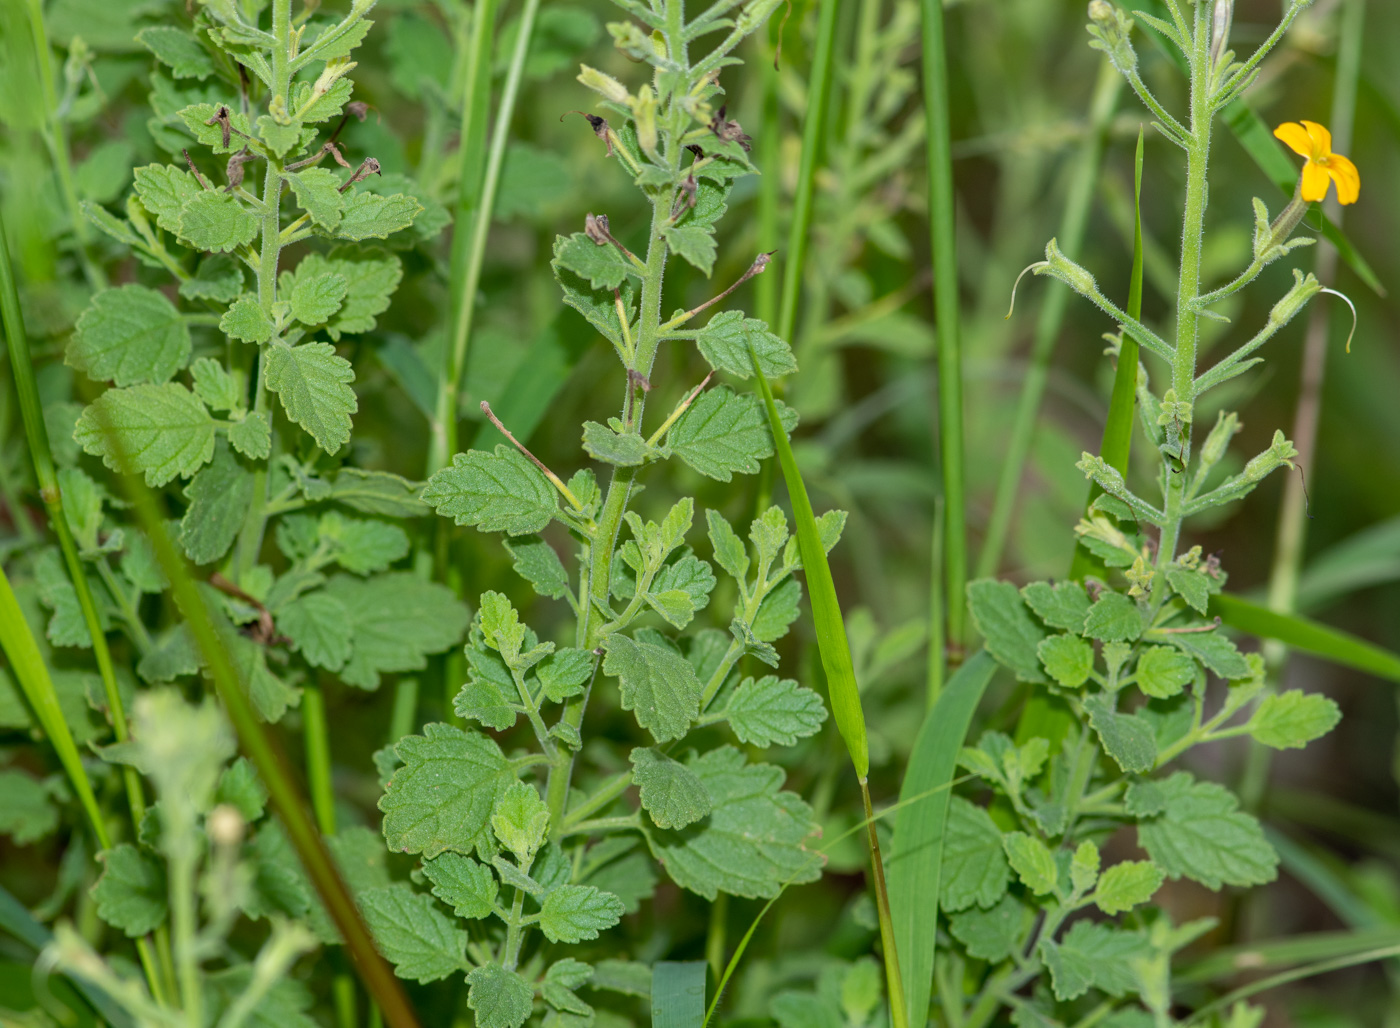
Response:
column 1314, row 142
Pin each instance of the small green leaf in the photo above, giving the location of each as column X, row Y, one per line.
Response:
column 563, row 673
column 1068, row 658
column 216, row 222
column 316, row 297
column 219, row 278
column 974, row 863
column 671, row 793
column 415, row 936
column 657, row 684
column 1163, row 672
column 1191, row 586
column 725, row 340
column 723, row 433
column 442, row 797
column 729, row 549
column 500, row 998
column 1213, row 650
column 1093, row 955
column 1127, row 738
column 1196, row 829
column 1084, row 867
column 313, row 382
column 1012, row 637
column 214, row 385
column 1062, row 605
column 252, row 436
column 603, row 267
column 164, row 190
column 772, row 711
column 697, row 245
column 521, row 821
column 161, row 430
column 466, row 886
column 318, row 194
column 319, row 628
column 246, row 320
column 1126, row 885
column 573, row 913
column 131, row 894
column 482, row 699
column 1290, row 720
column 220, row 495
column 681, row 589
column 28, row 813
column 198, row 116
column 1113, row 618
column 278, row 137
column 755, row 840
column 537, row 563
column 367, row 216
column 240, row 787
column 128, row 336
column 177, row 50
column 992, row 935
column 500, row 492
column 625, row 450
column 1032, row 861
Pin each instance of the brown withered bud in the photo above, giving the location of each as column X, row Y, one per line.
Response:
column 235, row 168
column 638, row 380
column 203, row 182
column 595, row 227
column 728, row 129
column 599, row 126
column 368, row 168
column 221, row 118
column 685, row 199
column 699, row 153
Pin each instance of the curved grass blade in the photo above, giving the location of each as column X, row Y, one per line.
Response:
column 271, row 763
column 678, row 994
column 1117, row 443
column 835, row 653
column 916, row 856
column 1304, row 634
column 943, row 239
column 1283, row 978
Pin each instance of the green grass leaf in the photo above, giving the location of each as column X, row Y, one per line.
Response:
column 129, row 336
column 678, row 994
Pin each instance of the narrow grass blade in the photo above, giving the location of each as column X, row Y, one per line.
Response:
column 19, row 922
column 678, row 994
column 272, row 765
column 1304, row 634
column 813, row 133
column 937, row 658
column 1117, row 442
column 916, row 857
column 1267, row 152
column 1299, row 949
column 840, row 673
column 1297, row 974
column 1047, row 327
column 943, row 239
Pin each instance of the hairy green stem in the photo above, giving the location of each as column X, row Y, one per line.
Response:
column 318, row 756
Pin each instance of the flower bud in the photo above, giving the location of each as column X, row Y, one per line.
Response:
column 1110, row 28
column 603, row 84
column 336, row 68
column 1226, row 426
column 644, row 116
column 754, row 15
column 1057, row 265
column 1279, row 453
column 631, row 40
column 1304, row 289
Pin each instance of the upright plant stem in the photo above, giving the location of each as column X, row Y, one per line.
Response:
column 56, row 139
column 1052, row 313
column 1291, row 540
column 466, row 267
column 37, row 437
column 813, row 134
column 943, row 239
column 765, row 287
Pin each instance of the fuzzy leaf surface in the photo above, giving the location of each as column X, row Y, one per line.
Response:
column 658, row 685
column 421, row 941
column 313, row 382
column 495, row 492
column 128, row 336
column 442, row 797
column 163, row 431
column 671, row 793
column 1196, row 829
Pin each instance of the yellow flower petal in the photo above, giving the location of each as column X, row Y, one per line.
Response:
column 1296, row 138
column 1321, row 139
column 1346, row 176
column 1315, row 182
